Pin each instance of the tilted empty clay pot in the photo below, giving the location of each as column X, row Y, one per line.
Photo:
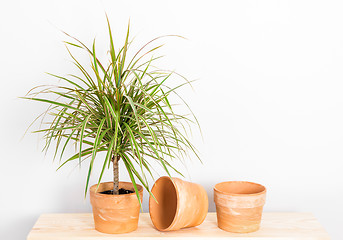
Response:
column 179, row 204
column 115, row 213
column 239, row 205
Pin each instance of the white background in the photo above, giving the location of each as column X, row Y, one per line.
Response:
column 269, row 97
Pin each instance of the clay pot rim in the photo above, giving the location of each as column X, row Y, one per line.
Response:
column 240, row 194
column 177, row 203
column 93, row 189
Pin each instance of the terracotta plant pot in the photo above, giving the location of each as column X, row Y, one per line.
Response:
column 239, row 205
column 180, row 204
column 115, row 213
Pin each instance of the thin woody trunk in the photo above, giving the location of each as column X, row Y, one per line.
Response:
column 115, row 160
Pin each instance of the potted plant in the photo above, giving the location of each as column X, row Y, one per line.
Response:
column 122, row 108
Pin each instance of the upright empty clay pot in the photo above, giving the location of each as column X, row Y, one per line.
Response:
column 239, row 205
column 179, row 204
column 115, row 213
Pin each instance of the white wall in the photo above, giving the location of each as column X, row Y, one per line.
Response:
column 269, row 97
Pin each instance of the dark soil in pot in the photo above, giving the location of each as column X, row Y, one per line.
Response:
column 121, row 191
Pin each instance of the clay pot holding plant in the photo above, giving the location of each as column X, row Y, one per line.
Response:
column 239, row 205
column 177, row 204
column 115, row 213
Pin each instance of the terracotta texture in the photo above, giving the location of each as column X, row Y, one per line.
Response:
column 239, row 205
column 115, row 213
column 180, row 204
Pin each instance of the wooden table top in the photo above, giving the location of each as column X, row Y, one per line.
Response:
column 276, row 226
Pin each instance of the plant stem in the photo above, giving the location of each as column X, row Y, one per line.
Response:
column 115, row 160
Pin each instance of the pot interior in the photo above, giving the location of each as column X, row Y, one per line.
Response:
column 163, row 212
column 238, row 187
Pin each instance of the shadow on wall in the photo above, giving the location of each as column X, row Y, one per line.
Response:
column 18, row 228
column 70, row 199
column 209, row 189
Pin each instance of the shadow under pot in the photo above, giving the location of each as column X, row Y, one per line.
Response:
column 239, row 205
column 115, row 213
column 179, row 204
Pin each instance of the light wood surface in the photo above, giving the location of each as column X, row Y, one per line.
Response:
column 275, row 226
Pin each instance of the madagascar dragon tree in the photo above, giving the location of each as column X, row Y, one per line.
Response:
column 122, row 108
